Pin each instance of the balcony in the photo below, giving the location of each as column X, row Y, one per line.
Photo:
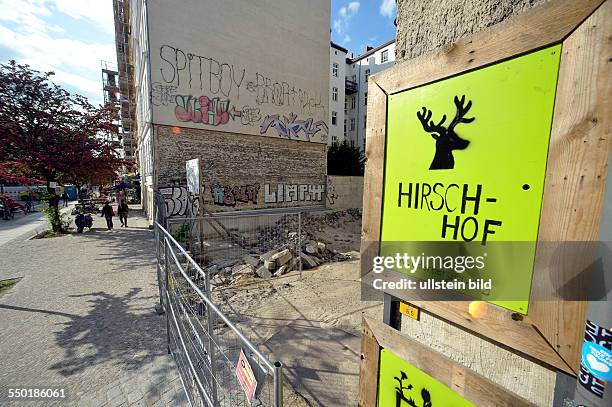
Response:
column 350, row 87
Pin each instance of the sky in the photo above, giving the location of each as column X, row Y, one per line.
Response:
column 355, row 24
column 72, row 37
column 69, row 37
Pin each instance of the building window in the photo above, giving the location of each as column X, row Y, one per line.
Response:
column 384, row 56
column 353, row 102
column 365, row 98
column 352, row 124
column 335, row 69
column 334, row 118
column 334, row 139
column 345, row 105
column 335, row 94
column 367, row 74
column 352, row 143
column 344, row 127
column 365, row 119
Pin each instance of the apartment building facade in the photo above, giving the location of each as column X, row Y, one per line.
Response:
column 337, row 89
column 250, row 102
column 348, row 94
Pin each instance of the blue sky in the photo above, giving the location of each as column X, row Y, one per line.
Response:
column 71, row 37
column 355, row 24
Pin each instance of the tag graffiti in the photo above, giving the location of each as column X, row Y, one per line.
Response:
column 293, row 193
column 231, row 195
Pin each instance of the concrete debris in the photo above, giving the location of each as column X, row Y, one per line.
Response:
column 263, row 272
column 277, row 248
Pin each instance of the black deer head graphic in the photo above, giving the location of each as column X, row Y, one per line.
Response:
column 446, row 138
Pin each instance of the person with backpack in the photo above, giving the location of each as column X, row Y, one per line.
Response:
column 123, row 210
column 108, row 213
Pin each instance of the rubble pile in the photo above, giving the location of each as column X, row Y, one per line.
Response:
column 278, row 249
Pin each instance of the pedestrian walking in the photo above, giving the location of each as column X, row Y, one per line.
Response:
column 123, row 210
column 65, row 198
column 108, row 213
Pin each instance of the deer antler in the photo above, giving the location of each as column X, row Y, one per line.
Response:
column 429, row 125
column 461, row 111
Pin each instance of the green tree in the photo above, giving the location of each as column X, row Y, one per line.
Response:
column 344, row 159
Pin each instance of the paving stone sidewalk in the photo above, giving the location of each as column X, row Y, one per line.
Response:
column 81, row 318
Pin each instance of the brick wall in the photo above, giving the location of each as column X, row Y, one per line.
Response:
column 243, row 171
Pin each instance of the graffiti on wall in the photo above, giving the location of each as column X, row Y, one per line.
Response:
column 331, row 194
column 176, row 199
column 208, row 90
column 293, row 193
column 203, row 109
column 162, row 95
column 290, row 127
column 231, row 195
column 268, row 91
column 181, row 68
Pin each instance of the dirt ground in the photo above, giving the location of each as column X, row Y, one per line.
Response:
column 310, row 321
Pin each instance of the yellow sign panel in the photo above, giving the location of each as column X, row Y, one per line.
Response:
column 465, row 162
column 409, row 310
column 400, row 384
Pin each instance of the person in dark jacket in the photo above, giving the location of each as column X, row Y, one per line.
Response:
column 108, row 213
column 65, row 198
column 123, row 210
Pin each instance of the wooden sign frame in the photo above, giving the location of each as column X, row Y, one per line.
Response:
column 468, row 384
column 579, row 153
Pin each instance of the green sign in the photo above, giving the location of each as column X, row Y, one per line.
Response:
column 400, row 384
column 465, row 162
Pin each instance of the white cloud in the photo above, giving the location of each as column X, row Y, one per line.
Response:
column 46, row 47
column 347, row 38
column 97, row 11
column 387, row 8
column 342, row 23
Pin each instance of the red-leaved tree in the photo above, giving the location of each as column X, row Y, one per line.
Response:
column 48, row 134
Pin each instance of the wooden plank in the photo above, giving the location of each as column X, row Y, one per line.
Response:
column 533, row 380
column 491, row 321
column 541, row 26
column 368, row 368
column 470, row 385
column 376, row 133
column 576, row 175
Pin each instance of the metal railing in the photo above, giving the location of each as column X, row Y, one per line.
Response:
column 204, row 342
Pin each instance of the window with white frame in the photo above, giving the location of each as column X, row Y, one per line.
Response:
column 335, row 69
column 365, row 119
column 367, row 74
column 353, row 102
column 334, row 118
column 384, row 56
column 335, row 94
column 365, row 98
column 345, row 104
column 352, row 124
